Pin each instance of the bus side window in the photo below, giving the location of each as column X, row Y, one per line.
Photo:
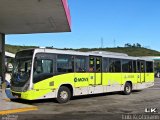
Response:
column 43, row 66
column 114, row 65
column 134, row 66
column 98, row 64
column 127, row 66
column 65, row 63
column 80, row 64
column 138, row 67
column 149, row 67
column 91, row 64
column 43, row 69
column 142, row 67
column 105, row 64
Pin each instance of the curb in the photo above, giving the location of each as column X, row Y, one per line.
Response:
column 4, row 112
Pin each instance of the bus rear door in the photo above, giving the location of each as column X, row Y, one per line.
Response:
column 95, row 68
column 142, row 74
column 141, row 71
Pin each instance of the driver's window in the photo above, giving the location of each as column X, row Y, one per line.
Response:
column 43, row 66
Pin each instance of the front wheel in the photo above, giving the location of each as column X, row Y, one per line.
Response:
column 127, row 88
column 64, row 94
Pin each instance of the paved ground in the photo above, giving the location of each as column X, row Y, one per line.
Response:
column 7, row 106
column 100, row 107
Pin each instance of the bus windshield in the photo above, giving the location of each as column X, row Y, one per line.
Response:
column 21, row 70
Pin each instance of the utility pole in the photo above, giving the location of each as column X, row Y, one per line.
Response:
column 114, row 40
column 101, row 42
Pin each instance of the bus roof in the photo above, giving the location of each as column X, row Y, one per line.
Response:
column 91, row 53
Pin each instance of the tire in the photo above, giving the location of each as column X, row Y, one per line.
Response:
column 127, row 89
column 64, row 94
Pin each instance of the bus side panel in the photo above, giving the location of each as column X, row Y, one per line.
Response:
column 35, row 94
column 81, row 80
column 149, row 77
column 48, row 85
column 57, row 80
column 44, row 84
column 113, row 78
column 104, row 79
column 133, row 77
column 63, row 79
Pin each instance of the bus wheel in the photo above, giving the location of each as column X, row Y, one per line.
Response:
column 127, row 88
column 64, row 94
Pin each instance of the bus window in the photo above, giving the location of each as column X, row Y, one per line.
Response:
column 114, row 65
column 98, row 64
column 80, row 64
column 142, row 66
column 91, row 64
column 127, row 66
column 149, row 67
column 43, row 66
column 134, row 66
column 105, row 64
column 43, row 69
column 138, row 67
column 65, row 63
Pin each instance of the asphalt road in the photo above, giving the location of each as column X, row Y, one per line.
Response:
column 97, row 107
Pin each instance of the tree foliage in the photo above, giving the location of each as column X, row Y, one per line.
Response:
column 134, row 45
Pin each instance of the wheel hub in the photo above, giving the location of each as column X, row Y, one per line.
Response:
column 64, row 95
column 128, row 89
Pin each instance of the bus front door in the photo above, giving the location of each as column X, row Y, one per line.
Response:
column 95, row 68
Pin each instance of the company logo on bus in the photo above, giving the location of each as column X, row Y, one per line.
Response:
column 80, row 79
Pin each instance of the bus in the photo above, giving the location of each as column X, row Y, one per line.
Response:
column 43, row 73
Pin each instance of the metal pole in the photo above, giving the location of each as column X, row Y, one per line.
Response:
column 2, row 59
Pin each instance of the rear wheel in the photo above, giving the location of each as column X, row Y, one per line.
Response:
column 64, row 94
column 127, row 88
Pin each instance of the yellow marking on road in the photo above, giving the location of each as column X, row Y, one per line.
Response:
column 4, row 112
column 7, row 99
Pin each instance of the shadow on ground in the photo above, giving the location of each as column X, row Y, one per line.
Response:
column 32, row 102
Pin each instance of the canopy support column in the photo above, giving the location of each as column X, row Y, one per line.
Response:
column 2, row 58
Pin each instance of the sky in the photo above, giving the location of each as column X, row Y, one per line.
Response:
column 116, row 22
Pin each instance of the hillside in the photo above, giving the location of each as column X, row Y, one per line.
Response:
column 132, row 51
